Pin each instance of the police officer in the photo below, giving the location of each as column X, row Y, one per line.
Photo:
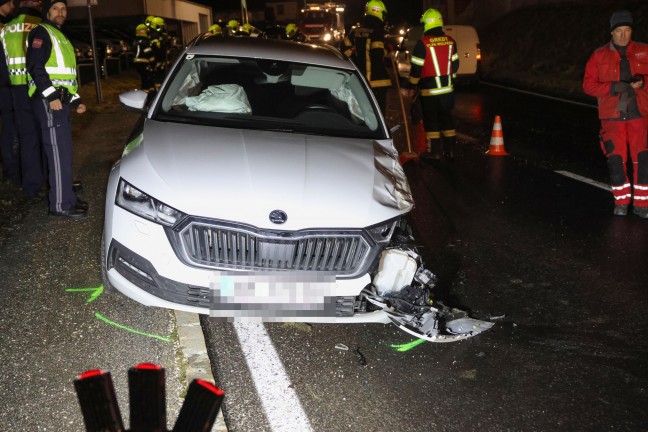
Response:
column 365, row 45
column 14, row 37
column 434, row 66
column 10, row 159
column 144, row 58
column 52, row 65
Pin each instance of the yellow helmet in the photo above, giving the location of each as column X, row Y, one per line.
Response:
column 232, row 25
column 215, row 29
column 148, row 22
column 291, row 29
column 247, row 28
column 141, row 31
column 158, row 23
column 431, row 18
column 376, row 8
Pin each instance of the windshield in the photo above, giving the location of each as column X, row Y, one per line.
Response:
column 267, row 94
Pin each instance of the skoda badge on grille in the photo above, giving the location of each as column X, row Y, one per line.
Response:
column 278, row 216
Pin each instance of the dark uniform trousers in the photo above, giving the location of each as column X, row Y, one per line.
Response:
column 31, row 157
column 8, row 139
column 56, row 128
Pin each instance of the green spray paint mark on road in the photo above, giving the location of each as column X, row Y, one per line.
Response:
column 123, row 327
column 408, row 346
column 96, row 292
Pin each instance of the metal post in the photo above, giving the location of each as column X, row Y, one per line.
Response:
column 95, row 59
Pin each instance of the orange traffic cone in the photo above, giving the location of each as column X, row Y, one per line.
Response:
column 496, row 147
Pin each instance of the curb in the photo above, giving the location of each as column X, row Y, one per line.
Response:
column 194, row 352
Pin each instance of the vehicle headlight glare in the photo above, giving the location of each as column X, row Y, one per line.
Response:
column 327, row 37
column 135, row 201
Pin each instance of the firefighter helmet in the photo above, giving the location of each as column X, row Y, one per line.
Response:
column 247, row 28
column 215, row 29
column 431, row 18
column 141, row 31
column 376, row 8
column 233, row 25
column 148, row 22
column 291, row 29
column 159, row 24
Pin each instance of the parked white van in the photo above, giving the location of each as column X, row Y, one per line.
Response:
column 467, row 45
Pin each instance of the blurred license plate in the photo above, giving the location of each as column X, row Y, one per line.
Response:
column 272, row 294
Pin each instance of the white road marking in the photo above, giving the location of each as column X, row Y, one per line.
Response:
column 585, row 180
column 280, row 403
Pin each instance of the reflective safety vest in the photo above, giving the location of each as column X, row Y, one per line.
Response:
column 61, row 65
column 440, row 54
column 14, row 43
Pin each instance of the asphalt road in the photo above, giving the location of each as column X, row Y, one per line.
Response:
column 51, row 327
column 509, row 238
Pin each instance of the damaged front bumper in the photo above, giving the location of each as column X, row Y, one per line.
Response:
column 403, row 288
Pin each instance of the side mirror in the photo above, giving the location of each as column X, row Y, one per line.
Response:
column 134, row 100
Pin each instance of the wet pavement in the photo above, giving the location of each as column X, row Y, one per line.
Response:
column 512, row 241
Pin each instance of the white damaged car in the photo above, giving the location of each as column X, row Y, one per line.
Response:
column 262, row 184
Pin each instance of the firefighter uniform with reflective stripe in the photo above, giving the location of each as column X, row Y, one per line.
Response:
column 434, row 66
column 623, row 116
column 14, row 43
column 144, row 61
column 52, row 65
column 365, row 45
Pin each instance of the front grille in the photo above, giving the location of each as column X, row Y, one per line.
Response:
column 207, row 245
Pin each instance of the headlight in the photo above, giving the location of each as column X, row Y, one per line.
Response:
column 382, row 233
column 135, row 201
column 327, row 37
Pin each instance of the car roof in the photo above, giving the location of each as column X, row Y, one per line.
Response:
column 256, row 47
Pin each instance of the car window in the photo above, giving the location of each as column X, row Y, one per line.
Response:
column 269, row 94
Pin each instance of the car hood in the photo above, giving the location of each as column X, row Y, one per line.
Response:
column 243, row 175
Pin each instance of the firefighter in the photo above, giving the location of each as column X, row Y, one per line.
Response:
column 232, row 27
column 294, row 34
column 434, row 66
column 616, row 75
column 8, row 142
column 365, row 45
column 144, row 58
column 160, row 30
column 14, row 41
column 158, row 68
column 215, row 30
column 51, row 63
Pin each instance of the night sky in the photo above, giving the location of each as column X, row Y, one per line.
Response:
column 399, row 11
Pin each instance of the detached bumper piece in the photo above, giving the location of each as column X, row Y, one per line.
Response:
column 402, row 288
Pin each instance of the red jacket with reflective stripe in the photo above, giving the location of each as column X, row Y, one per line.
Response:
column 444, row 47
column 603, row 69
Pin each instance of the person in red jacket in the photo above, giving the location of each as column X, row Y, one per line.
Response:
column 616, row 75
